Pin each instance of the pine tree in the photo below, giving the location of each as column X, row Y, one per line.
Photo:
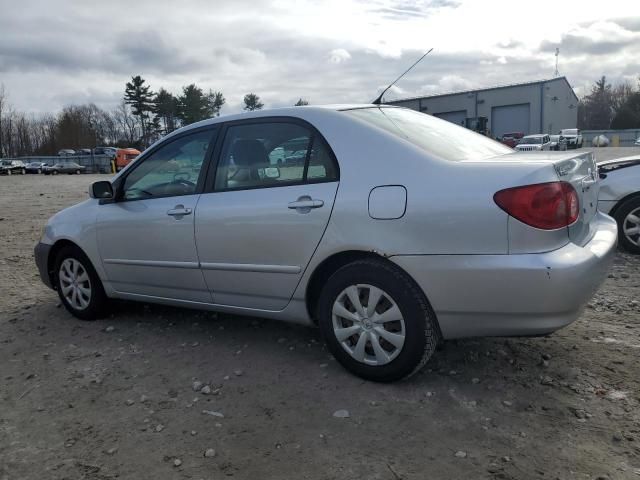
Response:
column 215, row 101
column 140, row 97
column 252, row 102
column 192, row 105
column 165, row 107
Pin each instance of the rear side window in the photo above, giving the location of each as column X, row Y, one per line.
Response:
column 435, row 136
column 263, row 155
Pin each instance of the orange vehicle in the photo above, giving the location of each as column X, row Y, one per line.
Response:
column 124, row 156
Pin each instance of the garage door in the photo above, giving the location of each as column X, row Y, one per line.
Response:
column 454, row 117
column 509, row 118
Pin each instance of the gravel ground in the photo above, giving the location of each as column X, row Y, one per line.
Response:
column 116, row 397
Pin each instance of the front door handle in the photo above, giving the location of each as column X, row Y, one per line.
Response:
column 305, row 203
column 179, row 211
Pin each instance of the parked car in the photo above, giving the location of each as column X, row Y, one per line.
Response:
column 35, row 167
column 66, row 152
column 637, row 142
column 108, row 151
column 124, row 156
column 532, row 143
column 620, row 198
column 83, row 151
column 369, row 238
column 11, row 167
column 512, row 139
column 64, row 167
column 558, row 142
column 573, row 136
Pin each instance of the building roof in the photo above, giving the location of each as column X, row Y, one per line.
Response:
column 497, row 87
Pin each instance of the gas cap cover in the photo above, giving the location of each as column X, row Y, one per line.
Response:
column 387, row 202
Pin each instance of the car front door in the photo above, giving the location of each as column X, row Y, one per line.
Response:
column 146, row 238
column 266, row 207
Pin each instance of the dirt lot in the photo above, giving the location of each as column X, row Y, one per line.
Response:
column 114, row 398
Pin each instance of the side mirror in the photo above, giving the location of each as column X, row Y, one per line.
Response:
column 102, row 190
column 272, row 172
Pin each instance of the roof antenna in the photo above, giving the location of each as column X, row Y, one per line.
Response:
column 378, row 100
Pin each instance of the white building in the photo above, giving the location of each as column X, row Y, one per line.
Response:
column 544, row 106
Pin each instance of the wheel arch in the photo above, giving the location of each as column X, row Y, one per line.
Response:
column 53, row 254
column 622, row 201
column 333, row 263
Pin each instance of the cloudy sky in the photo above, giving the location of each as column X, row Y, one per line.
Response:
column 54, row 53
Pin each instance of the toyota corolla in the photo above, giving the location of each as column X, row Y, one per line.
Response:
column 389, row 229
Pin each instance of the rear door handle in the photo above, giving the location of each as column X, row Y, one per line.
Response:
column 179, row 211
column 305, row 203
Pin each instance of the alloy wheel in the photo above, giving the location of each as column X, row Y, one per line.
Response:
column 368, row 324
column 75, row 284
column 631, row 227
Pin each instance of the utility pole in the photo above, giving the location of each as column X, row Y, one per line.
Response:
column 556, row 74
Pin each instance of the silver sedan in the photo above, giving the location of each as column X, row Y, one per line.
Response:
column 620, row 198
column 389, row 229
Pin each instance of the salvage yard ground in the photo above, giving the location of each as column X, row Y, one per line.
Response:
column 115, row 398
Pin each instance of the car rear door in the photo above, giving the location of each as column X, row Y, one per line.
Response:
column 266, row 207
column 146, row 238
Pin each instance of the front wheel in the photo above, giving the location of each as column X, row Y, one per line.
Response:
column 79, row 286
column 628, row 219
column 376, row 321
column 77, row 172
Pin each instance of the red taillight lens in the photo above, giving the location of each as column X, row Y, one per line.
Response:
column 547, row 206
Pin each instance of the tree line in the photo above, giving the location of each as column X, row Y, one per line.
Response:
column 610, row 107
column 141, row 117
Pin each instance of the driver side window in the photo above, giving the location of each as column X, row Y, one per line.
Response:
column 172, row 170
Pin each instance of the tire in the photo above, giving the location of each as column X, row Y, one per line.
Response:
column 77, row 172
column 8, row 172
column 85, row 306
column 39, row 171
column 630, row 208
column 417, row 321
column 55, row 172
column 23, row 171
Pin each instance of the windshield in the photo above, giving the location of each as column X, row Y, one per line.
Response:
column 569, row 131
column 6, row 163
column 433, row 135
column 531, row 140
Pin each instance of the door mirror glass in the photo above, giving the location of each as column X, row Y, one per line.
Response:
column 101, row 190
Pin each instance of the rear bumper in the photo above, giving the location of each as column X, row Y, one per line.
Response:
column 41, row 255
column 513, row 295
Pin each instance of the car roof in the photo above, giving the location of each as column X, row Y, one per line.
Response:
column 297, row 112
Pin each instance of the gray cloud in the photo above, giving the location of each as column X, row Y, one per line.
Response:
column 79, row 51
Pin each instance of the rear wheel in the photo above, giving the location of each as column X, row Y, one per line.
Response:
column 628, row 218
column 78, row 285
column 376, row 321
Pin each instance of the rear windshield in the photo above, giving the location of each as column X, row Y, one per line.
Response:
column 435, row 136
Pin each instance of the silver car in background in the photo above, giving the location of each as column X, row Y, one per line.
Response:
column 388, row 228
column 620, row 198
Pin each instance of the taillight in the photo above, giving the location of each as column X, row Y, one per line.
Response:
column 547, row 206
